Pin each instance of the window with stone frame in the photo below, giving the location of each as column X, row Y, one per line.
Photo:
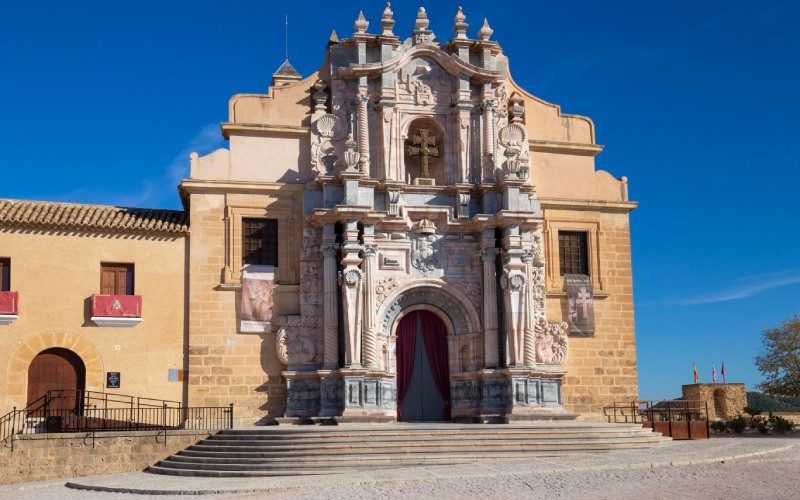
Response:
column 260, row 241
column 5, row 274
column 573, row 254
column 116, row 278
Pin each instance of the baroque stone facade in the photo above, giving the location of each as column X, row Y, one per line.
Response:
column 403, row 175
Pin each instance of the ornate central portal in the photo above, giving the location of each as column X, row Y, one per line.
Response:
column 423, row 375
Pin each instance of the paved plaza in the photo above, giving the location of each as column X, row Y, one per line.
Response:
column 723, row 467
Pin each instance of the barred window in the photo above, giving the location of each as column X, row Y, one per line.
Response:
column 260, row 242
column 573, row 255
column 5, row 274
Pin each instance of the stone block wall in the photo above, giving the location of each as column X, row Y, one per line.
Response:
column 225, row 365
column 601, row 369
column 42, row 457
column 732, row 398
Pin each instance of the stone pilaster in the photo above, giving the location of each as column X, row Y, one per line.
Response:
column 351, row 280
column 529, row 342
column 490, row 341
column 514, row 284
column 363, row 130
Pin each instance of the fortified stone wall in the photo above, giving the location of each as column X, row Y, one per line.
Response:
column 43, row 457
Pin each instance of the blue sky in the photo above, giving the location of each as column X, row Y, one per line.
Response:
column 696, row 103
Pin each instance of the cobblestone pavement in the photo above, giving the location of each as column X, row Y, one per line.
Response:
column 722, row 467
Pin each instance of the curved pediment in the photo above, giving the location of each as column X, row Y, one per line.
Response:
column 449, row 62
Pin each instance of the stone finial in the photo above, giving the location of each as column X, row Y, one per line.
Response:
column 334, row 38
column 422, row 20
column 460, row 27
column 387, row 23
column 320, row 96
column 485, row 32
column 351, row 156
column 361, row 23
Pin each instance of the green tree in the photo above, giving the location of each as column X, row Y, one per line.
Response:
column 779, row 359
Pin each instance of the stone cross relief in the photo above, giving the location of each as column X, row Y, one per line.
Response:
column 424, row 146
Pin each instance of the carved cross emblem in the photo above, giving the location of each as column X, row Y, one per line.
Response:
column 423, row 146
column 584, row 299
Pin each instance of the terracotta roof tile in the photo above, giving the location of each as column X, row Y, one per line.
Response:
column 88, row 217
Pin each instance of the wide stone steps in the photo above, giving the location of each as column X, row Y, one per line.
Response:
column 280, row 451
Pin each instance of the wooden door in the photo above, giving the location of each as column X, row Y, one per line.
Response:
column 57, row 370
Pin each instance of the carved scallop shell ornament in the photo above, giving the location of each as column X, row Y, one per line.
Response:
column 511, row 135
column 327, row 125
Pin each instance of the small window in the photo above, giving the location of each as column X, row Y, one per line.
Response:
column 5, row 274
column 260, row 242
column 573, row 255
column 116, row 279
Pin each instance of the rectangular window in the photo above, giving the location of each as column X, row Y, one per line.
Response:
column 116, row 279
column 573, row 255
column 5, row 274
column 260, row 242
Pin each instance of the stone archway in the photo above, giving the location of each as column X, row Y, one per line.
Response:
column 720, row 403
column 17, row 370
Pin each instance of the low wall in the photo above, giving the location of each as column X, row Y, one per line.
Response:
column 40, row 457
column 793, row 416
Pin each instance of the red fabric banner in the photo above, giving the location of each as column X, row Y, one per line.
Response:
column 9, row 302
column 434, row 335
column 117, row 306
column 406, row 338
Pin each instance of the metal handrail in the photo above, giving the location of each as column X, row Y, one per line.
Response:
column 652, row 410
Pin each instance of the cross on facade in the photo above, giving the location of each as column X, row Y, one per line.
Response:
column 423, row 146
column 584, row 299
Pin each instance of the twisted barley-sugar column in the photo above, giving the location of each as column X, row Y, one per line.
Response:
column 363, row 132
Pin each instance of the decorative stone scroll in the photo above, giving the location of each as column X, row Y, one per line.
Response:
column 300, row 345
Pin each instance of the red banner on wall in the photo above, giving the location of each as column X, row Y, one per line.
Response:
column 258, row 283
column 117, row 306
column 9, row 302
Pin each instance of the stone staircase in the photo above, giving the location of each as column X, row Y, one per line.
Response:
column 305, row 450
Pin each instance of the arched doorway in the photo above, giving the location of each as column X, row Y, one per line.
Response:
column 57, row 369
column 423, row 377
column 720, row 403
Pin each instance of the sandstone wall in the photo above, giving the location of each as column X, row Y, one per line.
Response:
column 601, row 369
column 226, row 365
column 733, row 402
column 41, row 457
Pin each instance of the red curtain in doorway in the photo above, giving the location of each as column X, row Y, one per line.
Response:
column 435, row 337
column 406, row 337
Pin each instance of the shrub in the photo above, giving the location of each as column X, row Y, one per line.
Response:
column 759, row 424
column 719, row 426
column 737, row 424
column 780, row 424
column 752, row 411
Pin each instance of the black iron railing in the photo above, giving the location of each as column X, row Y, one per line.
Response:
column 80, row 411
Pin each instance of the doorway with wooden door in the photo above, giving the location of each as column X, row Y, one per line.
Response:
column 60, row 370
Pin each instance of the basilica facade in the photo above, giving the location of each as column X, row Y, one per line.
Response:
column 405, row 234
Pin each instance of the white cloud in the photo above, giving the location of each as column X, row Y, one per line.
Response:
column 746, row 286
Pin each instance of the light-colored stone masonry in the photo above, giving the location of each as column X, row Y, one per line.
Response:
column 601, row 369
column 41, row 457
column 225, row 365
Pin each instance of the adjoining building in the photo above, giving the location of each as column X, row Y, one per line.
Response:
column 403, row 234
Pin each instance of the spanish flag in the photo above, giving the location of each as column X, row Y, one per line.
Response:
column 694, row 369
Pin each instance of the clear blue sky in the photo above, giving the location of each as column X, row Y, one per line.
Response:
column 696, row 102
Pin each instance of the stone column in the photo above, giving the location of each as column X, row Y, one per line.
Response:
column 363, row 131
column 491, row 356
column 331, row 318
column 370, row 340
column 529, row 343
column 352, row 295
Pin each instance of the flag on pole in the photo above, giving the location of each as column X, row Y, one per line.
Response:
column 694, row 369
column 713, row 373
column 722, row 371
